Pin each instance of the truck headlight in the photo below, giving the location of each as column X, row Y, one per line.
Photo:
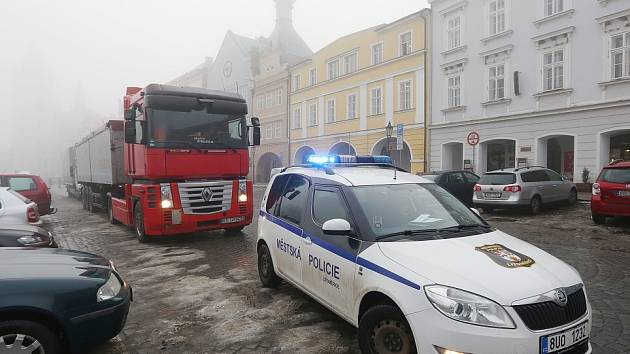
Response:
column 467, row 307
column 110, row 289
column 167, row 196
column 242, row 191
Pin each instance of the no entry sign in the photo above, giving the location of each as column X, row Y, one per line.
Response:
column 473, row 138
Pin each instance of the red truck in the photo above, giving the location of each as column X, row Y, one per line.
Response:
column 177, row 164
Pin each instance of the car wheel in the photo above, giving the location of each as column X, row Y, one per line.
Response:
column 234, row 230
column 572, row 197
column 535, row 205
column 267, row 274
column 384, row 329
column 139, row 223
column 599, row 219
column 27, row 337
column 110, row 212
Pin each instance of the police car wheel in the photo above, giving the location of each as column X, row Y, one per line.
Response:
column 383, row 329
column 267, row 274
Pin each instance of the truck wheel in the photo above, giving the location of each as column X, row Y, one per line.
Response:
column 139, row 223
column 384, row 329
column 267, row 274
column 110, row 212
column 84, row 198
column 27, row 337
column 234, row 230
column 90, row 201
column 535, row 205
column 599, row 219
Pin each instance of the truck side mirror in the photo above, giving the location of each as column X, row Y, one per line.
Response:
column 130, row 132
column 255, row 136
column 256, row 121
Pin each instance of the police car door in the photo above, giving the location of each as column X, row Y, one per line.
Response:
column 285, row 233
column 329, row 264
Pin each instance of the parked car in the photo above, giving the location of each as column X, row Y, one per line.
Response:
column 26, row 236
column 57, row 301
column 459, row 183
column 32, row 187
column 528, row 187
column 16, row 209
column 611, row 192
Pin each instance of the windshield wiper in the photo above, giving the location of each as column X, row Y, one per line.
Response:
column 434, row 232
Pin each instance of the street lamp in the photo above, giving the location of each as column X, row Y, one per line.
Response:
column 389, row 130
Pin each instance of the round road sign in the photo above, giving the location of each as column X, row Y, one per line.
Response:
column 473, row 138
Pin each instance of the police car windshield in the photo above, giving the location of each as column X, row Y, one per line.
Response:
column 412, row 208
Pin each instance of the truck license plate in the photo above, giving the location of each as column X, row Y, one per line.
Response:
column 232, row 220
column 623, row 193
column 492, row 195
column 554, row 342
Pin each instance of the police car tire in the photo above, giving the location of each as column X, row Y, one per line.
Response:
column 384, row 315
column 268, row 277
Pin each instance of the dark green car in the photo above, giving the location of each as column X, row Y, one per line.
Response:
column 55, row 301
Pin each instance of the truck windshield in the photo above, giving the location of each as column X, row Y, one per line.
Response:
column 196, row 129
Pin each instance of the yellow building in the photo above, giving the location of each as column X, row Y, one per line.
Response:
column 343, row 97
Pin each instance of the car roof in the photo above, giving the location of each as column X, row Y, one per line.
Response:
column 619, row 164
column 364, row 175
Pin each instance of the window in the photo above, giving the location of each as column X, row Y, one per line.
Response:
column 497, row 179
column 553, row 70
column 333, row 69
column 405, row 95
column 377, row 101
column 350, row 63
column 273, row 198
column 269, row 131
column 260, row 102
column 313, row 76
column 405, row 44
column 352, row 106
column 328, row 205
column 534, row 176
column 496, row 82
column 297, row 81
column 268, row 101
column 453, row 31
column 296, row 122
column 312, row 115
column 620, row 56
column 553, row 7
column 455, row 178
column 496, row 16
column 471, row 178
column 277, row 129
column 377, row 53
column 278, row 100
column 20, row 184
column 140, row 132
column 454, row 91
column 330, row 111
column 293, row 200
column 553, row 176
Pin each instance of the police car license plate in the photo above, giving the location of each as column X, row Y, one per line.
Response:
column 555, row 342
column 492, row 195
column 623, row 193
column 232, row 220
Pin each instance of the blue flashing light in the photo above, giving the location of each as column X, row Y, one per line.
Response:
column 349, row 159
column 321, row 159
column 383, row 159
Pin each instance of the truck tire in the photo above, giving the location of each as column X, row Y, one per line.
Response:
column 384, row 329
column 28, row 333
column 84, row 198
column 234, row 230
column 267, row 274
column 139, row 223
column 90, row 201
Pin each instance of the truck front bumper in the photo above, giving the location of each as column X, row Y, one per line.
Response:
column 174, row 221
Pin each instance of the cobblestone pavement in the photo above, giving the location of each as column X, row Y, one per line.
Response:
column 200, row 293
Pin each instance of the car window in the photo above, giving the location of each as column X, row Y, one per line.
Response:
column 275, row 192
column 20, row 184
column 430, row 177
column 616, row 175
column 455, row 178
column 471, row 178
column 293, row 200
column 328, row 205
column 497, row 179
column 553, row 175
column 535, row 176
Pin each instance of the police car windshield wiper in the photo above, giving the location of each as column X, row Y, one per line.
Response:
column 434, row 232
column 464, row 227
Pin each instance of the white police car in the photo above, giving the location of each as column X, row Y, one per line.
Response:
column 412, row 267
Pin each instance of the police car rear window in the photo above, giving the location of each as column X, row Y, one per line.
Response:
column 497, row 179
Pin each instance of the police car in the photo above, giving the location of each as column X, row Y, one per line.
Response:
column 412, row 267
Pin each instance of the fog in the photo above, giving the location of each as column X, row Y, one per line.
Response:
column 64, row 64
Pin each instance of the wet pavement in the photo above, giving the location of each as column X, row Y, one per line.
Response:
column 200, row 293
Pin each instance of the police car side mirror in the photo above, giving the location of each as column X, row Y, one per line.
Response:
column 337, row 227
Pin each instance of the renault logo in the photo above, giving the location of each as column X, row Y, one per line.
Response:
column 207, row 194
column 560, row 297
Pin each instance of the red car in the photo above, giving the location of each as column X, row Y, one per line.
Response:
column 611, row 192
column 32, row 187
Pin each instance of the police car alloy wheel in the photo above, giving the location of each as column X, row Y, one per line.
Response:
column 383, row 329
column 266, row 273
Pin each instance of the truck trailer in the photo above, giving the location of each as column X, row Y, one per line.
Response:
column 178, row 162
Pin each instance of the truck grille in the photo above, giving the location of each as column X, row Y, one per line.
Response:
column 205, row 197
column 545, row 315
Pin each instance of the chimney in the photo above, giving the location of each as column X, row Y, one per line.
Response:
column 284, row 11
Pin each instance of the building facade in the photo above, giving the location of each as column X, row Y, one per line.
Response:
column 270, row 93
column 543, row 82
column 343, row 97
column 197, row 77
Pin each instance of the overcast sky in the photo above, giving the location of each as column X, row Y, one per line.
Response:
column 59, row 58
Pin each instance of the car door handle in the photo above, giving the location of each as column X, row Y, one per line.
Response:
column 307, row 240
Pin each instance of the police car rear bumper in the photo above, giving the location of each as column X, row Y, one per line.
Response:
column 431, row 329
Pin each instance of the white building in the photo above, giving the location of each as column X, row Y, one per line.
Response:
column 543, row 82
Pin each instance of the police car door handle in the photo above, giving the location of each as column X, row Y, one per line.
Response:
column 307, row 240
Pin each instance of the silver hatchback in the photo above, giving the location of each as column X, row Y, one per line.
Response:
column 528, row 187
